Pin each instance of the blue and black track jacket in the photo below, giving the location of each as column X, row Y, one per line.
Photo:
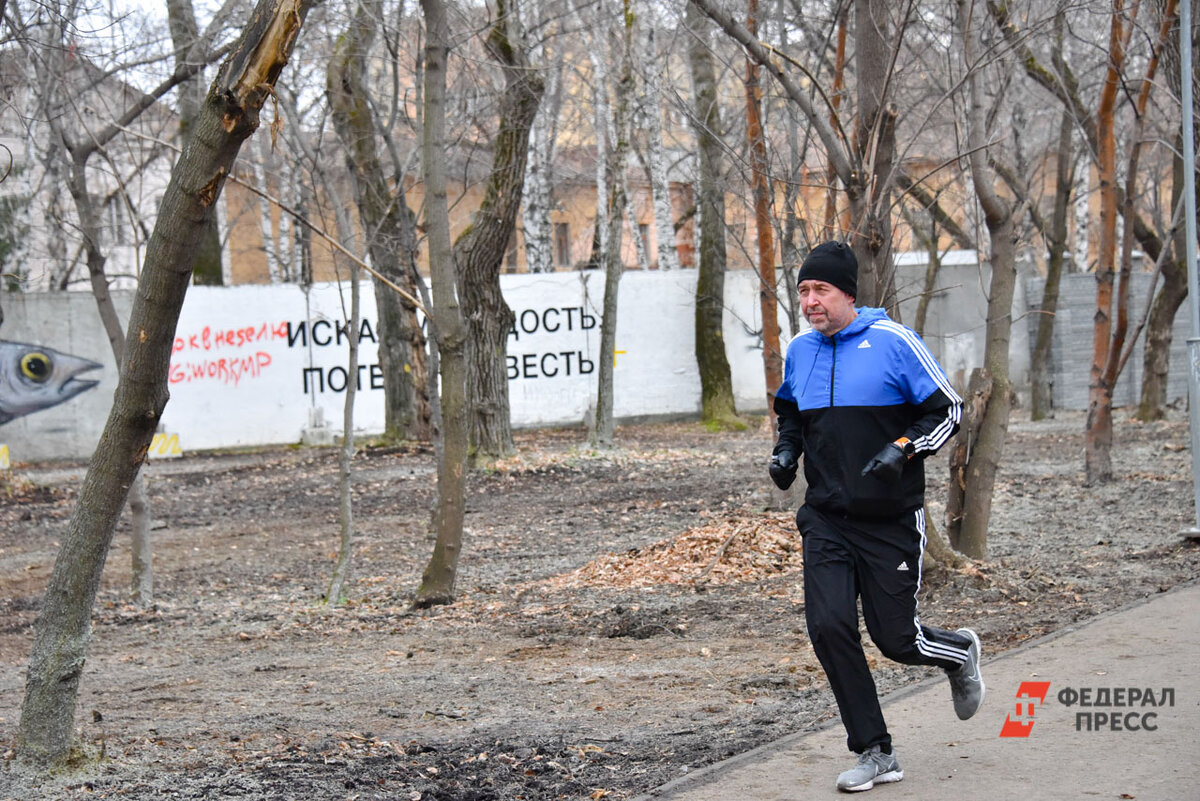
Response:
column 845, row 397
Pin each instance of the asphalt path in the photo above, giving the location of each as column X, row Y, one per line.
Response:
column 1120, row 719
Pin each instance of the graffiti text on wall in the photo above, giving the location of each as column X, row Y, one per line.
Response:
column 330, row 333
column 207, row 338
column 193, row 363
column 223, row 370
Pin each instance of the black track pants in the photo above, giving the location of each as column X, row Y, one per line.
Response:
column 881, row 561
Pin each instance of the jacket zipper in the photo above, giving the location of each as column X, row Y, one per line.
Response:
column 832, row 370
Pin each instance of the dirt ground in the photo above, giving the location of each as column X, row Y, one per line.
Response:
column 622, row 618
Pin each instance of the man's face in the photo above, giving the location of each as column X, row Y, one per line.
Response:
column 827, row 308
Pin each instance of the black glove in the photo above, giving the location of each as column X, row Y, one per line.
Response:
column 887, row 465
column 783, row 469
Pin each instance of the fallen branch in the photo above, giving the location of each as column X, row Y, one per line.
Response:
column 720, row 552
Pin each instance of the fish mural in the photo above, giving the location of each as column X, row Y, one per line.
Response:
column 33, row 378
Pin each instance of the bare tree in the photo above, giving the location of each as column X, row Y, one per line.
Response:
column 1055, row 234
column 62, row 633
column 192, row 47
column 479, row 251
column 760, row 182
column 656, row 156
column 862, row 163
column 972, row 483
column 1064, row 84
column 1109, row 336
column 791, row 225
column 615, row 162
column 1097, row 458
column 837, row 93
column 390, row 225
column 1159, row 333
column 353, row 119
column 449, row 327
column 78, row 144
column 342, row 565
column 928, row 237
column 716, row 382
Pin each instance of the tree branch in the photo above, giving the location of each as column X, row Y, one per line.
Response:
column 933, row 205
column 760, row 52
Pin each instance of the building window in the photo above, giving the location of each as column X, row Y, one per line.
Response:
column 562, row 244
column 116, row 211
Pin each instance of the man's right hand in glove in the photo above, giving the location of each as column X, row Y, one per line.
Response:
column 783, row 469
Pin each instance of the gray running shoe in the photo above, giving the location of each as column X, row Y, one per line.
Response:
column 873, row 766
column 966, row 683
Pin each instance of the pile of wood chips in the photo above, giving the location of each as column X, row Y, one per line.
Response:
column 740, row 549
column 533, row 459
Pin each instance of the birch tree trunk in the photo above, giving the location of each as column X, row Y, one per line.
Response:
column 603, row 144
column 660, row 186
column 289, row 254
column 615, row 165
column 641, row 252
column 716, row 382
column 62, row 632
column 266, row 226
column 1083, row 222
column 539, row 179
column 437, row 582
column 479, row 251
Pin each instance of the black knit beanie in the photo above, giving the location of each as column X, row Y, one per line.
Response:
column 834, row 263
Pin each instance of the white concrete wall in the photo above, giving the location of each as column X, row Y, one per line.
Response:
column 956, row 321
column 250, row 362
column 237, row 381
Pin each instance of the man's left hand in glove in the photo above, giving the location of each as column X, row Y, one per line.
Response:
column 888, row 464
